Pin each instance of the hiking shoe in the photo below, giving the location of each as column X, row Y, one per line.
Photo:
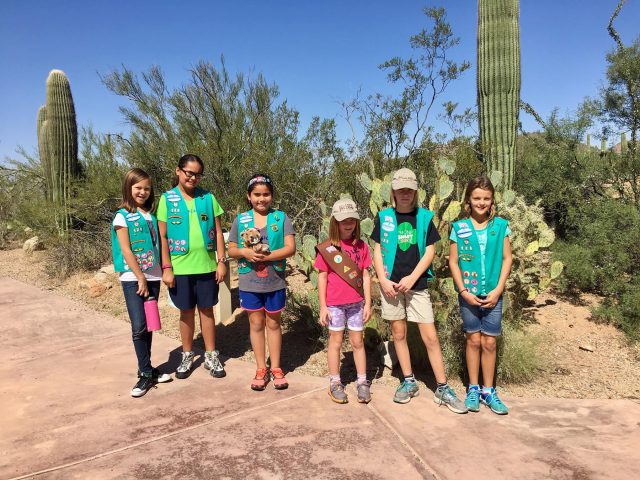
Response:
column 143, row 386
column 447, row 396
column 492, row 401
column 364, row 391
column 160, row 377
column 406, row 391
column 279, row 382
column 472, row 402
column 212, row 362
column 261, row 379
column 184, row 369
column 337, row 393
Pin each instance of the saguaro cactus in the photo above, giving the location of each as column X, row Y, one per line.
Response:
column 499, row 83
column 45, row 159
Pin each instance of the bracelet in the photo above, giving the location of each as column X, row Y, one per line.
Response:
column 464, row 290
column 166, row 266
column 222, row 260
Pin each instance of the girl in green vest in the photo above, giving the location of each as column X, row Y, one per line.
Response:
column 480, row 261
column 135, row 249
column 405, row 237
column 193, row 259
column 261, row 276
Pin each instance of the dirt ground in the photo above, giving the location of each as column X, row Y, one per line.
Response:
column 609, row 370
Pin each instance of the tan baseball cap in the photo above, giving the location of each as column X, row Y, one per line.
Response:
column 404, row 178
column 343, row 209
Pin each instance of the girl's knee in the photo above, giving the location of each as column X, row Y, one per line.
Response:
column 474, row 342
column 489, row 343
column 356, row 342
column 273, row 324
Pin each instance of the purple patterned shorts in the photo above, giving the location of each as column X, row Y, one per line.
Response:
column 351, row 315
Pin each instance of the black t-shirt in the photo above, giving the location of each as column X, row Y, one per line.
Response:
column 407, row 253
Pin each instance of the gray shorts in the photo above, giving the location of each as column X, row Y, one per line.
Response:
column 415, row 306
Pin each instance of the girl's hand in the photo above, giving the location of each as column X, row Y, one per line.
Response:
column 221, row 271
column 168, row 278
column 388, row 288
column 252, row 256
column 405, row 284
column 491, row 299
column 325, row 316
column 143, row 288
column 471, row 299
column 366, row 314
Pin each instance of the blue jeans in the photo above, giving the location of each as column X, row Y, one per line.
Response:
column 141, row 338
column 480, row 319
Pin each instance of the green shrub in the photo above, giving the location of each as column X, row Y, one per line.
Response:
column 521, row 354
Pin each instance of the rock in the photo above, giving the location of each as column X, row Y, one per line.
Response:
column 97, row 290
column 28, row 230
column 32, row 245
column 387, row 354
column 101, row 277
column 86, row 283
column 108, row 269
column 586, row 348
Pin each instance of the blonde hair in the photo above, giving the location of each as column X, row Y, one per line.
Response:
column 334, row 232
column 415, row 199
column 483, row 183
column 133, row 176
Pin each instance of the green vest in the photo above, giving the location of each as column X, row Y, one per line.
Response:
column 178, row 220
column 470, row 257
column 275, row 236
column 141, row 242
column 389, row 237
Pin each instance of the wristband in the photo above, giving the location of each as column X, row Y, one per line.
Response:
column 166, row 266
column 222, row 260
column 464, row 290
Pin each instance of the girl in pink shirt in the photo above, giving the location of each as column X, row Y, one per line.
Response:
column 345, row 295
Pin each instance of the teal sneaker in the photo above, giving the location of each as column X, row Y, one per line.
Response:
column 472, row 402
column 492, row 401
column 406, row 391
column 448, row 396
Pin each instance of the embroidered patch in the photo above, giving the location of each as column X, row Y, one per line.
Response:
column 331, row 249
column 212, row 233
column 466, row 281
column 337, row 259
column 359, row 282
column 388, row 226
column 466, row 274
column 353, row 275
column 474, row 274
column 474, row 282
column 245, row 219
column 474, row 290
column 204, row 217
column 274, row 228
column 346, row 269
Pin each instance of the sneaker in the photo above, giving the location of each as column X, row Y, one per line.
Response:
column 212, row 362
column 279, row 381
column 447, row 396
column 337, row 393
column 160, row 377
column 259, row 382
column 492, row 401
column 406, row 391
column 472, row 402
column 184, row 369
column 364, row 391
column 142, row 387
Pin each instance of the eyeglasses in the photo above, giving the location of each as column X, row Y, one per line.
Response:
column 190, row 174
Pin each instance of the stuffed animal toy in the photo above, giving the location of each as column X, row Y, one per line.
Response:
column 252, row 239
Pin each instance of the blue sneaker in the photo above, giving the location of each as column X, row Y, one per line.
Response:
column 492, row 401
column 406, row 391
column 472, row 402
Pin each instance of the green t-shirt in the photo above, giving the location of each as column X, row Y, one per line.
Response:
column 198, row 259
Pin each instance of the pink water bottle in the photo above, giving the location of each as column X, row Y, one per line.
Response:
column 152, row 313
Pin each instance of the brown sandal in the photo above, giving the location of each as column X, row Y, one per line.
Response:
column 260, row 381
column 279, row 382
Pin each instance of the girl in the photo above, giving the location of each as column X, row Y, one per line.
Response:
column 134, row 245
column 405, row 236
column 345, row 295
column 261, row 276
column 480, row 261
column 193, row 259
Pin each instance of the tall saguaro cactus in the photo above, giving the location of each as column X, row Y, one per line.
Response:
column 58, row 141
column 499, row 83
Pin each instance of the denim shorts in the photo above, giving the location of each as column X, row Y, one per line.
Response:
column 351, row 315
column 271, row 302
column 196, row 289
column 480, row 319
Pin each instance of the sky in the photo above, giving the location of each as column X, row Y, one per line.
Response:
column 317, row 52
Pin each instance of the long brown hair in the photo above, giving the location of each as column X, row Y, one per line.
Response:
column 189, row 157
column 334, row 232
column 132, row 177
column 482, row 182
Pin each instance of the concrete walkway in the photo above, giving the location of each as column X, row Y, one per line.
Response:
column 66, row 413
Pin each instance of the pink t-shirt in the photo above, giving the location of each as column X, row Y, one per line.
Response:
column 340, row 292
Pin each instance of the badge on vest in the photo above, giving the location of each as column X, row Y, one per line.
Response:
column 204, row 217
column 337, row 259
column 246, row 218
column 464, row 232
column 388, row 226
column 331, row 249
column 274, row 227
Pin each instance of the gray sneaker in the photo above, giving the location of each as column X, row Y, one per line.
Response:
column 212, row 362
column 184, row 369
column 447, row 396
column 364, row 392
column 406, row 391
column 337, row 393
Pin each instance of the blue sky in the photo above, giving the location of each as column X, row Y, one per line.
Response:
column 317, row 52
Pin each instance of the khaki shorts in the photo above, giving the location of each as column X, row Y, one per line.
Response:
column 415, row 306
